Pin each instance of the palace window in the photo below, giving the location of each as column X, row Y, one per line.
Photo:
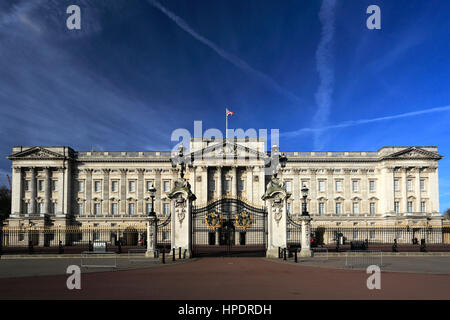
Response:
column 410, row 206
column 97, row 208
column 28, row 207
column 423, row 206
column 355, row 186
column 166, row 186
column 27, row 185
column 80, row 186
column 355, row 207
column 288, row 186
column 212, row 185
column 397, row 207
column 41, row 207
column 41, row 185
column 338, row 186
column 227, row 185
column 338, row 207
column 321, row 186
column 114, row 208
column 55, row 207
column 149, row 184
column 241, row 185
column 132, row 186
column 288, row 208
column 410, row 185
column 80, row 208
column 371, row 185
column 321, row 207
column 115, row 186
column 422, row 184
column 372, row 208
column 396, row 185
column 55, row 185
column 131, row 208
column 355, row 235
column 148, row 207
column 97, row 186
column 166, row 209
column 372, row 234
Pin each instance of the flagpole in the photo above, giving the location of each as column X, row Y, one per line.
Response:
column 226, row 125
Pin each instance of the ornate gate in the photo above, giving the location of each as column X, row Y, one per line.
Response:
column 229, row 226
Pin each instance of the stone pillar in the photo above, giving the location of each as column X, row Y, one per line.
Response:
column 313, row 189
column 249, row 186
column 88, row 191
column 17, row 191
column 61, row 188
column 219, row 182
column 364, row 192
column 181, row 202
column 234, row 181
column 347, row 192
column 433, row 190
column 158, row 185
column 275, row 199
column 123, row 191
column 152, row 237
column 306, row 237
column 33, row 191
column 330, row 192
column 296, row 190
column 140, row 191
column 67, row 192
column 106, row 191
column 386, row 191
column 47, row 190
column 417, row 189
column 404, row 192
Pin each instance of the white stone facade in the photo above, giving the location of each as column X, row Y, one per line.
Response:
column 394, row 185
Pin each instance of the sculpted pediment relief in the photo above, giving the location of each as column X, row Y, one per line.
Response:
column 36, row 153
column 227, row 150
column 414, row 153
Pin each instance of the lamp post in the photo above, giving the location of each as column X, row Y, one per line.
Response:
column 152, row 232
column 305, row 196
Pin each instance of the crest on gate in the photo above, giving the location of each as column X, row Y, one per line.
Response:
column 243, row 220
column 213, row 220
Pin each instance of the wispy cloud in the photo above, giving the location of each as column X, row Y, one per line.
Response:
column 238, row 62
column 353, row 123
column 325, row 68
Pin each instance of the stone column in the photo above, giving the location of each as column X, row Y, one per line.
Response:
column 33, row 191
column 88, row 191
column 158, row 185
column 67, row 192
column 219, row 182
column 404, row 191
column 249, row 186
column 106, row 191
column 433, row 189
column 296, row 190
column 140, row 191
column 123, row 191
column 417, row 189
column 275, row 199
column 347, row 192
column 386, row 191
column 313, row 189
column 330, row 191
column 181, row 202
column 306, row 237
column 60, row 172
column 364, row 192
column 47, row 189
column 152, row 237
column 234, row 181
column 17, row 191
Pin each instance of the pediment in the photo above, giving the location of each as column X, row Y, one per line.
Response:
column 414, row 153
column 224, row 150
column 36, row 153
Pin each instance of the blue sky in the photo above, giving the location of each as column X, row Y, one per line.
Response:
column 138, row 69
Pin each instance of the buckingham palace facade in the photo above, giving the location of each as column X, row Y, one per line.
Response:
column 394, row 185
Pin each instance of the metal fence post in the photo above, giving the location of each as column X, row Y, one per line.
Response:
column 164, row 255
column 173, row 254
column 295, row 255
column 284, row 253
column 179, row 252
column 279, row 252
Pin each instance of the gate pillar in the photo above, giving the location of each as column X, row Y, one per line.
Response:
column 181, row 198
column 275, row 199
column 152, row 237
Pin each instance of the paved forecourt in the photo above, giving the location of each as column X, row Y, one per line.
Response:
column 230, row 278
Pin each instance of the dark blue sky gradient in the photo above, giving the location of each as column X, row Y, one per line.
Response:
column 132, row 75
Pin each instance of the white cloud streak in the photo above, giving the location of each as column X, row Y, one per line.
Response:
column 238, row 62
column 352, row 123
column 325, row 68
